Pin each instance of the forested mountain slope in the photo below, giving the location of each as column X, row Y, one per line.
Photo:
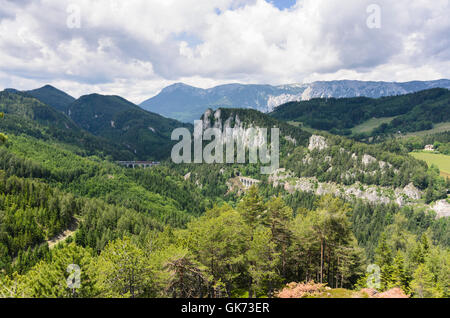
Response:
column 412, row 112
column 146, row 134
column 26, row 115
column 53, row 97
column 45, row 187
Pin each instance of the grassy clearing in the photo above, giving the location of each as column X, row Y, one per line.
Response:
column 438, row 128
column 306, row 128
column 367, row 126
column 371, row 124
column 439, row 160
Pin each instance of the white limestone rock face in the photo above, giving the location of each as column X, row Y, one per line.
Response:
column 206, row 119
column 279, row 176
column 305, row 185
column 252, row 137
column 367, row 160
column 374, row 194
column 442, row 208
column 412, row 192
column 289, row 187
column 317, row 142
column 383, row 164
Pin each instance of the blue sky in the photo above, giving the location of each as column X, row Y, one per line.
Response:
column 282, row 4
column 135, row 48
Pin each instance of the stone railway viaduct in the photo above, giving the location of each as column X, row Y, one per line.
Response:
column 248, row 182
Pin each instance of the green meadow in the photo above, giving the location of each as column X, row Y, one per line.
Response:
column 371, row 124
column 439, row 160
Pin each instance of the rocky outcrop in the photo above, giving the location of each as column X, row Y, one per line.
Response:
column 442, row 208
column 367, row 160
column 249, row 137
column 279, row 176
column 317, row 142
column 371, row 193
column 412, row 192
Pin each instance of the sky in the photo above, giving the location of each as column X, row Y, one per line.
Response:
column 135, row 48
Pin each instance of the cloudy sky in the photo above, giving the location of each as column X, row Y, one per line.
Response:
column 134, row 48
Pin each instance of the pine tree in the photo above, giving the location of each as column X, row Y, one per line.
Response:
column 252, row 208
column 124, row 270
column 264, row 261
column 278, row 217
column 399, row 275
column 68, row 274
column 422, row 284
column 187, row 278
column 219, row 241
column 383, row 258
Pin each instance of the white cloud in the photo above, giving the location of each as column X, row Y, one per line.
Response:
column 134, row 48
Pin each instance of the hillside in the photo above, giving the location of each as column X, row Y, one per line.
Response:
column 323, row 164
column 245, row 118
column 439, row 160
column 27, row 115
column 53, row 97
column 412, row 112
column 144, row 133
column 186, row 103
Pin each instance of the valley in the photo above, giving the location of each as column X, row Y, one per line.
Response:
column 224, row 156
column 335, row 206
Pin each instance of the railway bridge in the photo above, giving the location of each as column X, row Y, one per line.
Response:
column 138, row 164
column 248, row 182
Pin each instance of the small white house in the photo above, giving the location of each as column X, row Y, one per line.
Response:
column 429, row 148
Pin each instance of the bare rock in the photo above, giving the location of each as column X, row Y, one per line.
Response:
column 412, row 192
column 317, row 142
column 367, row 160
column 442, row 208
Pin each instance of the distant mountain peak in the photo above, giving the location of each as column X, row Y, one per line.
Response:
column 187, row 103
column 11, row 90
column 49, row 87
column 179, row 86
column 53, row 97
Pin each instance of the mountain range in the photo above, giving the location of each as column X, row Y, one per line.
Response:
column 63, row 200
column 122, row 129
column 187, row 103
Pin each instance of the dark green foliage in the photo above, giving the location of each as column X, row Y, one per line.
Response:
column 346, row 169
column 417, row 111
column 144, row 133
column 26, row 115
column 30, row 213
column 152, row 222
column 440, row 141
column 53, row 97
